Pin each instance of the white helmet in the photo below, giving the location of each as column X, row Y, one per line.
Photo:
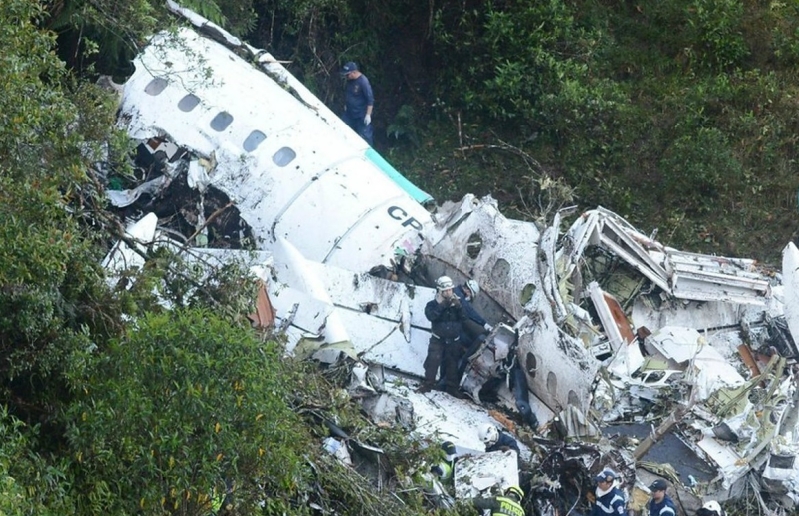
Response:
column 473, row 286
column 444, row 283
column 714, row 506
column 488, row 434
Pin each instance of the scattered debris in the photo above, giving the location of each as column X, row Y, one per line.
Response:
column 633, row 355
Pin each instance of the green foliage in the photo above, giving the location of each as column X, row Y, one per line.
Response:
column 51, row 291
column 717, row 28
column 695, row 168
column 184, row 401
column 784, row 31
column 28, row 484
column 404, row 125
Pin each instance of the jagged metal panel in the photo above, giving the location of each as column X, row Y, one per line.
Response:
column 558, row 368
column 489, row 471
column 582, row 233
column 627, row 248
column 506, row 261
column 726, row 460
column 121, row 256
column 382, row 298
column 706, row 285
column 448, row 419
column 335, row 202
column 790, row 278
column 609, row 323
column 696, row 314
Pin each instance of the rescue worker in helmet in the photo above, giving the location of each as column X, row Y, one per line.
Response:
column 610, row 500
column 446, row 315
column 475, row 323
column 711, row 508
column 475, row 328
column 444, row 468
column 495, row 439
column 507, row 505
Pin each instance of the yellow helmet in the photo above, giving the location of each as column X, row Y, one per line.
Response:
column 515, row 491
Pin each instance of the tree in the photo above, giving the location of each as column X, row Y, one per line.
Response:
column 183, row 406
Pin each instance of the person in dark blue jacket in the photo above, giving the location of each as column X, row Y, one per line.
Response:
column 467, row 292
column 446, row 316
column 359, row 101
column 660, row 504
column 610, row 500
column 496, row 440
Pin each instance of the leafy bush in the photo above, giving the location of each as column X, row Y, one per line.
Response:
column 696, row 167
column 183, row 405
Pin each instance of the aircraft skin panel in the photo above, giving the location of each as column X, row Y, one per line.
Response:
column 414, row 191
column 385, row 299
column 790, row 274
column 256, row 102
column 502, row 242
column 342, row 198
column 319, row 195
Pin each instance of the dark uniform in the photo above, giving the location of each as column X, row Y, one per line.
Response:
column 358, row 96
column 474, row 331
column 664, row 508
column 444, row 347
column 500, row 505
column 505, row 441
column 612, row 503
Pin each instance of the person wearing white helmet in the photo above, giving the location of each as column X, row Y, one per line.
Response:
column 474, row 329
column 446, row 316
column 711, row 508
column 467, row 292
column 496, row 440
column 610, row 500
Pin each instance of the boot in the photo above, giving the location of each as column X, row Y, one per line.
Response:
column 425, row 387
column 456, row 393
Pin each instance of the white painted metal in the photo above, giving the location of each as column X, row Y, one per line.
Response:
column 790, row 275
column 333, row 201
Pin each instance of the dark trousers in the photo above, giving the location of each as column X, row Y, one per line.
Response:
column 357, row 125
column 446, row 353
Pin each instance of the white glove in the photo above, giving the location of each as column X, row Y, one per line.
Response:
column 367, row 120
column 488, row 327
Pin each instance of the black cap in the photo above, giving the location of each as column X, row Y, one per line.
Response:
column 347, row 68
column 658, row 485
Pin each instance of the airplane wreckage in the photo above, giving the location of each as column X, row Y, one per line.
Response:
column 608, row 348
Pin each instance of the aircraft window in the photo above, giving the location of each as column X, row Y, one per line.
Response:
column 156, row 86
column 221, row 121
column 782, row 461
column 531, row 364
column 552, row 383
column 574, row 400
column 473, row 245
column 527, row 294
column 499, row 272
column 188, row 103
column 254, row 140
column 284, row 156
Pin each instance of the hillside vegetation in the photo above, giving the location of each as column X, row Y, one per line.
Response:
column 679, row 115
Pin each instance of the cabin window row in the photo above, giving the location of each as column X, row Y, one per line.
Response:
column 222, row 121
